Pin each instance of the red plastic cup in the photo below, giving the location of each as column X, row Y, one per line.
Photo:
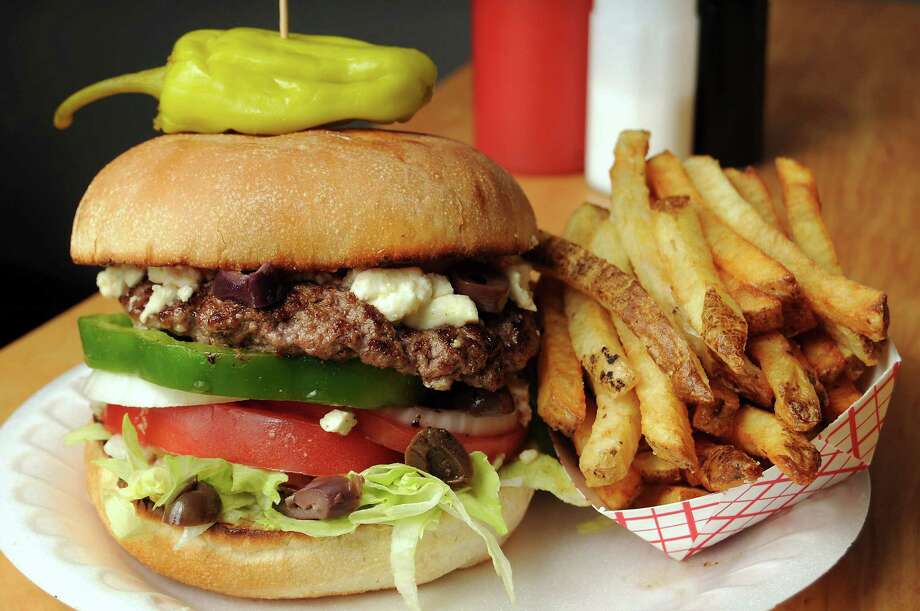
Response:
column 530, row 62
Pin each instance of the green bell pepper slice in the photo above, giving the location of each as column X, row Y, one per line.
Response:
column 112, row 343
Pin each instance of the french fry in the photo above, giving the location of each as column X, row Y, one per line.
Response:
column 798, row 316
column 722, row 466
column 730, row 251
column 560, row 384
column 797, row 403
column 717, row 419
column 807, row 228
column 656, row 470
column 623, row 295
column 816, row 383
column 823, row 355
column 761, row 434
column 617, row 495
column 631, row 213
column 652, row 496
column 694, row 280
column 665, row 422
column 840, row 397
column 595, row 342
column 834, row 297
column 803, row 213
column 763, row 313
column 583, row 430
column 621, row 494
column 614, row 438
column 754, row 190
column 594, row 337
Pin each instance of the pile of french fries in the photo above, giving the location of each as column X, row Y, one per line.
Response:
column 697, row 331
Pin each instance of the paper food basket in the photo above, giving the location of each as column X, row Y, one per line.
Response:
column 847, row 446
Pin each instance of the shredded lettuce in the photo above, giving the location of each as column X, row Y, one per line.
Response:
column 91, row 432
column 543, row 473
column 409, row 500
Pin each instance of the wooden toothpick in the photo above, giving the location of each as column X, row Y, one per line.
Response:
column 283, row 18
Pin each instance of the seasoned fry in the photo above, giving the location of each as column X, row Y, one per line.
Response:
column 583, row 430
column 763, row 312
column 656, row 470
column 593, row 334
column 797, row 403
column 594, row 339
column 839, row 398
column 761, row 434
column 717, row 419
column 621, row 494
column 631, row 213
column 803, row 212
column 560, row 384
column 623, row 295
column 665, row 423
column 730, row 251
column 696, row 284
column 652, row 496
column 823, row 355
column 722, row 467
column 754, row 190
column 798, row 316
column 611, row 446
column 834, row 297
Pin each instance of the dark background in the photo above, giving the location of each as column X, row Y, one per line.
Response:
column 55, row 48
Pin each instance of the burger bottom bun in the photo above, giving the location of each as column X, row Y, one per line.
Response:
column 258, row 564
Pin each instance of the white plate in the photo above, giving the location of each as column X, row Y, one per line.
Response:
column 52, row 534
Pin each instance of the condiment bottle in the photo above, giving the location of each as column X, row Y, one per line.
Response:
column 529, row 67
column 641, row 75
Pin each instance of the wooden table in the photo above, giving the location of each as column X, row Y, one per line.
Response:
column 844, row 97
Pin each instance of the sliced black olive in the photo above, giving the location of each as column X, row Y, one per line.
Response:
column 476, row 401
column 330, row 496
column 259, row 289
column 196, row 506
column 487, row 286
column 437, row 452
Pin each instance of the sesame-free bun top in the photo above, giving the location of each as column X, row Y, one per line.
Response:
column 318, row 199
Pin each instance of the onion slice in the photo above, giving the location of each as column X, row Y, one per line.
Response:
column 127, row 389
column 455, row 421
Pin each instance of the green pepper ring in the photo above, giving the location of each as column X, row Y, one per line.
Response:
column 111, row 343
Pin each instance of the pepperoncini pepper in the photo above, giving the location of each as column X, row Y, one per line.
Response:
column 255, row 82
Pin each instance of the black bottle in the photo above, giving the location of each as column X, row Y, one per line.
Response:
column 728, row 123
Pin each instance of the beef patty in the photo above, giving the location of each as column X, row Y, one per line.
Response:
column 331, row 323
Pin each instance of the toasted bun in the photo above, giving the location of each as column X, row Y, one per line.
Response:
column 318, row 200
column 258, row 564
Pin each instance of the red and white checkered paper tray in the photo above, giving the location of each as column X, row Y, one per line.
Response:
column 682, row 529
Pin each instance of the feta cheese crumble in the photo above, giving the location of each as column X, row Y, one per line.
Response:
column 410, row 296
column 338, row 421
column 171, row 284
column 114, row 281
column 518, row 274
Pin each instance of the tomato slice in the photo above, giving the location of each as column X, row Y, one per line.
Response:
column 397, row 436
column 268, row 435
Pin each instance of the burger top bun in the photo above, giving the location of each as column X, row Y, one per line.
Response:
column 312, row 200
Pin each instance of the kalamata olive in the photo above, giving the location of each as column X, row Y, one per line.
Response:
column 198, row 505
column 437, row 452
column 485, row 285
column 330, row 496
column 259, row 289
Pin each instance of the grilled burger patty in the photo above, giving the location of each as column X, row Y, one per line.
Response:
column 331, row 323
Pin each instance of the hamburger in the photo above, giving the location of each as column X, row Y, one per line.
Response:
column 318, row 363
